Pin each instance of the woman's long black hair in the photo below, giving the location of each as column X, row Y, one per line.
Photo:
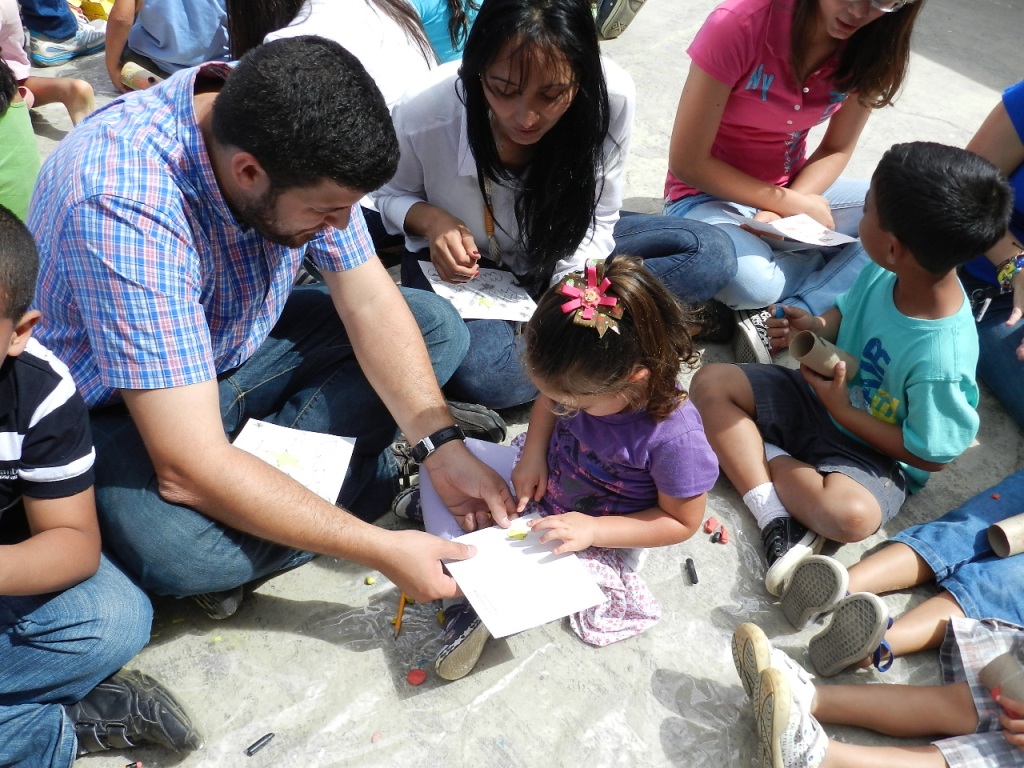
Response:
column 557, row 196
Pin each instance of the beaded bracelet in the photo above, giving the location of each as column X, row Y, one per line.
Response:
column 1006, row 271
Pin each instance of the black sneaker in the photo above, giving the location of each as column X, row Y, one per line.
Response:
column 129, row 709
column 479, row 422
column 750, row 344
column 786, row 543
column 219, row 605
column 464, row 639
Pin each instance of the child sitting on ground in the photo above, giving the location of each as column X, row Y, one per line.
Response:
column 953, row 551
column 977, row 728
column 615, row 456
column 76, row 95
column 19, row 153
column 69, row 619
column 818, row 457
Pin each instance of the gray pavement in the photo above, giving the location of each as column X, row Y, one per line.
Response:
column 310, row 656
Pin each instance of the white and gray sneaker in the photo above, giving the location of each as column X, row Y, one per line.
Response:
column 753, row 653
column 813, row 589
column 788, row 735
column 750, row 342
column 786, row 543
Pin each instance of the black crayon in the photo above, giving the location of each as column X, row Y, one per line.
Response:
column 259, row 744
column 717, row 535
column 692, row 570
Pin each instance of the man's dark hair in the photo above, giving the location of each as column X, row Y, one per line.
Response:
column 19, row 265
column 945, row 204
column 307, row 110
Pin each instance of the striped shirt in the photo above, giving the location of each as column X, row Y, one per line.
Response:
column 45, row 445
column 147, row 280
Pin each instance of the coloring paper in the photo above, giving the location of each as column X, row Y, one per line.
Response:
column 492, row 295
column 800, row 227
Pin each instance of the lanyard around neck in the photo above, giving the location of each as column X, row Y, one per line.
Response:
column 493, row 249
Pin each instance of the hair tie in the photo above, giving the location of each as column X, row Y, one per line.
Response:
column 591, row 303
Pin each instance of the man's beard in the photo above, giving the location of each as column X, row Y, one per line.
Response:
column 260, row 214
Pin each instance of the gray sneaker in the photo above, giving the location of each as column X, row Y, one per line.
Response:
column 750, row 342
column 478, row 421
column 464, row 639
column 615, row 15
column 91, row 37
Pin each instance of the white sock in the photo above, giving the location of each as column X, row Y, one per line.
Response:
column 773, row 452
column 764, row 503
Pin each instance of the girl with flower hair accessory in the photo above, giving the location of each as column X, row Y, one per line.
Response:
column 615, row 458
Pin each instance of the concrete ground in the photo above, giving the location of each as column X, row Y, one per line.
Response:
column 310, row 656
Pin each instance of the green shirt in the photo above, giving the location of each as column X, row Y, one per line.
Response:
column 19, row 159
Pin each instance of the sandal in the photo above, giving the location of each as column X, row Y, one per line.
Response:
column 855, row 632
column 816, row 585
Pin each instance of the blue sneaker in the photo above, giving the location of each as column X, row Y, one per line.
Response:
column 91, row 37
column 464, row 639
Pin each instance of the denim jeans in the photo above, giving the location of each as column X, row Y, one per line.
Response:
column 956, row 548
column 306, row 376
column 693, row 259
column 56, row 648
column 765, row 275
column 998, row 366
column 52, row 18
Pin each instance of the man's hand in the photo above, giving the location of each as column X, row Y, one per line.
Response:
column 576, row 530
column 473, row 492
column 414, row 564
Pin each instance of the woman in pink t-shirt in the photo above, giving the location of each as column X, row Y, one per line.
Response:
column 763, row 73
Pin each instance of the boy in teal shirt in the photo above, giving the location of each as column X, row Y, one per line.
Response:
column 818, row 457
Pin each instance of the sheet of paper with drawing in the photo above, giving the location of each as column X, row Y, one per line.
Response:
column 800, row 227
column 492, row 295
column 315, row 460
column 514, row 582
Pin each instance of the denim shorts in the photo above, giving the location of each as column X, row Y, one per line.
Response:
column 788, row 414
column 956, row 548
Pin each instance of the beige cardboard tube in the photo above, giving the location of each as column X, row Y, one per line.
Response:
column 138, row 78
column 821, row 356
column 1005, row 672
column 1007, row 537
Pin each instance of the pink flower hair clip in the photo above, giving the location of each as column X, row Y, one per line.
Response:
column 591, row 303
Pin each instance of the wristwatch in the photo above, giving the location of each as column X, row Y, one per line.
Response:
column 433, row 441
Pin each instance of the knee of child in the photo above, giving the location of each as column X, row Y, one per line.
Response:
column 80, row 89
column 711, row 384
column 856, row 522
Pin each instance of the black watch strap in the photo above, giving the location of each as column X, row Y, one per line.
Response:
column 433, row 441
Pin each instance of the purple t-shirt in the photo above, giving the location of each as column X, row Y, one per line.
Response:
column 610, row 465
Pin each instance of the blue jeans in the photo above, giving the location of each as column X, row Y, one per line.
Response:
column 52, row 18
column 56, row 648
column 998, row 366
column 694, row 260
column 306, row 376
column 765, row 275
column 956, row 548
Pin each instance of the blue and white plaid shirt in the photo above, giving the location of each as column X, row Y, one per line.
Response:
column 147, row 280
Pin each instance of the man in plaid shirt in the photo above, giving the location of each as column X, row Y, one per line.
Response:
column 171, row 226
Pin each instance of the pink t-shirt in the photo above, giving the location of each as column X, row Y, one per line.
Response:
column 12, row 40
column 745, row 44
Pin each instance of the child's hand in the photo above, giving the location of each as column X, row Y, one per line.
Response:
column 1012, row 720
column 782, row 329
column 576, row 530
column 832, row 392
column 529, row 479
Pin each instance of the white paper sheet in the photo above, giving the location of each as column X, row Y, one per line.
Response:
column 800, row 227
column 315, row 460
column 492, row 295
column 513, row 584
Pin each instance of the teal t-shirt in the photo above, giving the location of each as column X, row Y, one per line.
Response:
column 916, row 374
column 19, row 159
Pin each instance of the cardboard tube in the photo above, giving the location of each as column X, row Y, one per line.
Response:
column 1006, row 672
column 821, row 356
column 1007, row 537
column 138, row 78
